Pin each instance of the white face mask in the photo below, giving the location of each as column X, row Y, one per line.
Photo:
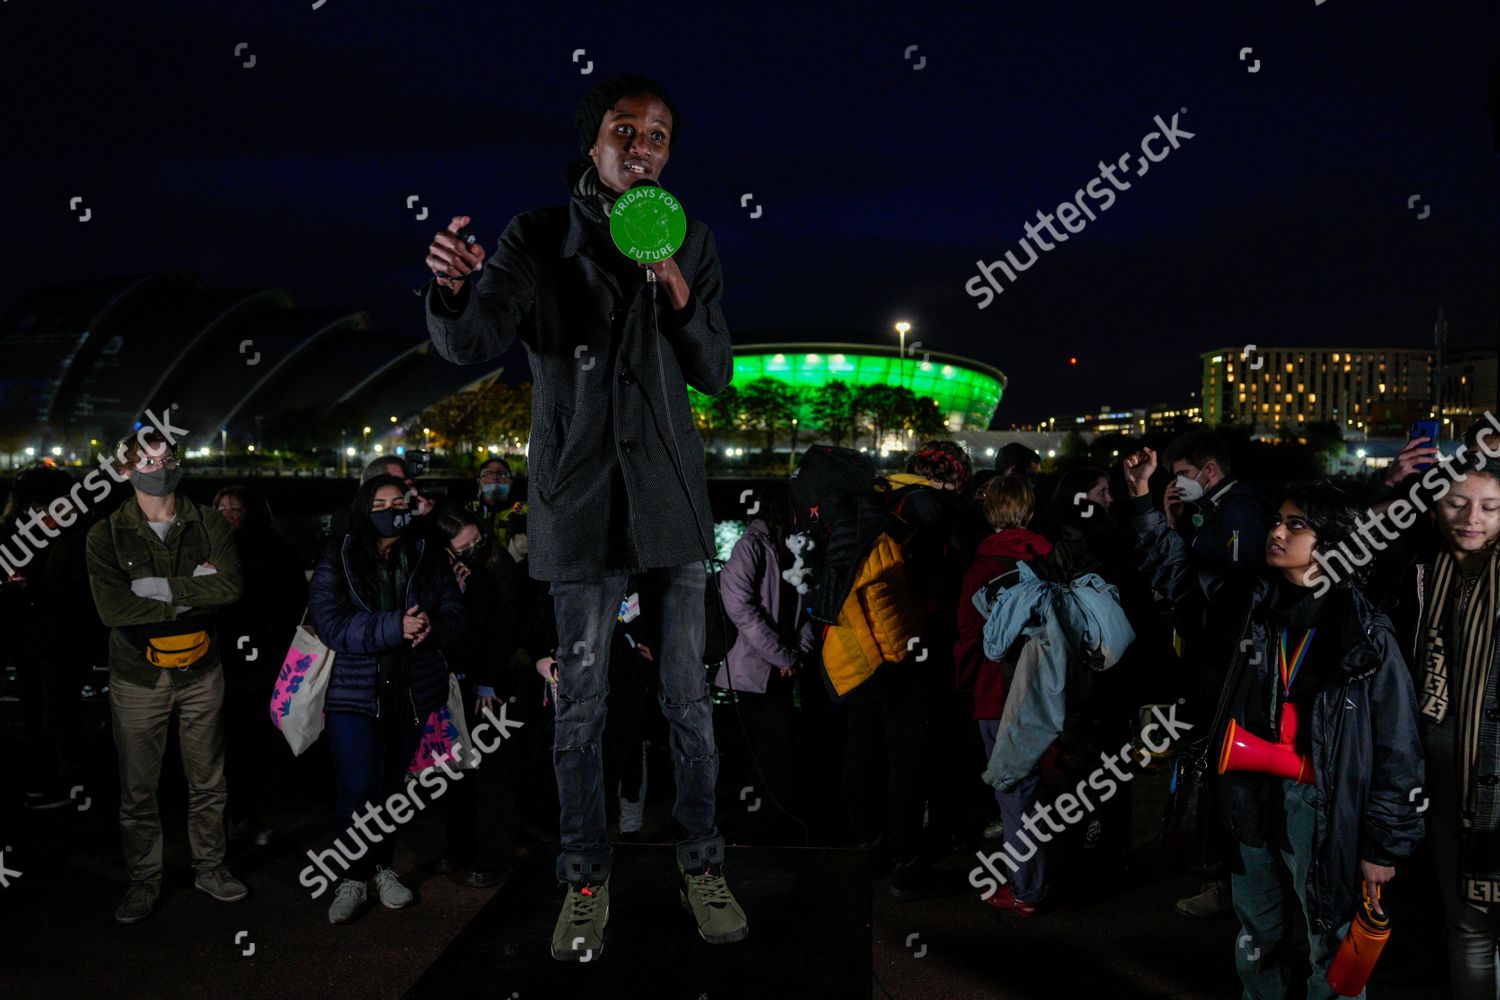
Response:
column 1189, row 488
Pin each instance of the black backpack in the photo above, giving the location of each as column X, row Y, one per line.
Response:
column 839, row 500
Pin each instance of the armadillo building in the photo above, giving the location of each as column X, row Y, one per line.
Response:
column 967, row 391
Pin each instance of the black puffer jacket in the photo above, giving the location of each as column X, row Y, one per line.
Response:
column 358, row 634
column 604, row 490
column 1366, row 748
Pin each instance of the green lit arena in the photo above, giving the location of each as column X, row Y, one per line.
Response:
column 967, row 391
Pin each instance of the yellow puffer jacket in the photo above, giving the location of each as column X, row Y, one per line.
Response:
column 879, row 617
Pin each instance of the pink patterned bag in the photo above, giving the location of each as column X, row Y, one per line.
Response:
column 301, row 686
column 446, row 730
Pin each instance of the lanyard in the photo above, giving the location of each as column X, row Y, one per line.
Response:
column 1290, row 665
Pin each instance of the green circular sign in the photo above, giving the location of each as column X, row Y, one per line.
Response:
column 647, row 224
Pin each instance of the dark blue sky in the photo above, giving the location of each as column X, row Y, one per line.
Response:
column 1284, row 220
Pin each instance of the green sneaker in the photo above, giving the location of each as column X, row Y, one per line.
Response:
column 707, row 897
column 579, row 933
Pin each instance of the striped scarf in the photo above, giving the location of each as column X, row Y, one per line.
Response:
column 1474, row 653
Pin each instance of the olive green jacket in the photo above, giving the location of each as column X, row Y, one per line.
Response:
column 123, row 547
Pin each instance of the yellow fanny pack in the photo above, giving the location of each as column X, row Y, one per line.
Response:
column 172, row 652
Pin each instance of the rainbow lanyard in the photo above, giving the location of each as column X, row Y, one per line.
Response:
column 1290, row 665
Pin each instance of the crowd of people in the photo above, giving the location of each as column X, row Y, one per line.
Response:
column 1219, row 586
column 917, row 663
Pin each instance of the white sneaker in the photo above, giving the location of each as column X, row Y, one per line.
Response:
column 348, row 899
column 390, row 891
column 995, row 831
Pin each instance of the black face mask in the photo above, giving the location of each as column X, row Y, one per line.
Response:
column 162, row 483
column 391, row 522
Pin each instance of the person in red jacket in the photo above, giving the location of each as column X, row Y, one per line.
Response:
column 1008, row 506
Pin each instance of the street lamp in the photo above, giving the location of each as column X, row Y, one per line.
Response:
column 901, row 329
column 366, row 442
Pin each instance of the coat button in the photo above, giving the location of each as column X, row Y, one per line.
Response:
column 627, row 377
column 1489, row 779
column 626, row 445
column 612, row 314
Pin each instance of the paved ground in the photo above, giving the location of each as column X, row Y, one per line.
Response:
column 58, row 938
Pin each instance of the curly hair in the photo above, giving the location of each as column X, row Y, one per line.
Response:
column 942, row 462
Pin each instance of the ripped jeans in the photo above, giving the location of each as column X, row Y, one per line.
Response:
column 585, row 625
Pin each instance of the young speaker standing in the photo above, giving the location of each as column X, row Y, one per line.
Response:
column 617, row 481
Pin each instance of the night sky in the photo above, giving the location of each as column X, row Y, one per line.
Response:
column 1284, row 220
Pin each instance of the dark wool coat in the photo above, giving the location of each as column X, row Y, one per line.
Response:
column 605, row 497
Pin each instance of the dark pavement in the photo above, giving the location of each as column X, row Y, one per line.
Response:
column 59, row 938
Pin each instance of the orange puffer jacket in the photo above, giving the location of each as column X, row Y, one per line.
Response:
column 879, row 619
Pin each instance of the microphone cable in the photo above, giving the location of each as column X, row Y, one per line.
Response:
column 713, row 561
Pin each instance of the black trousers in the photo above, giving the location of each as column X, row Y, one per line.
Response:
column 778, row 745
column 482, row 813
column 256, row 756
column 887, row 729
column 51, row 692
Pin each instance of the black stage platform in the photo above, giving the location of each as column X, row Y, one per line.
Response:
column 809, row 913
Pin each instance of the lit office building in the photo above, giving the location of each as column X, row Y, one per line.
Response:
column 1470, row 387
column 1281, row 389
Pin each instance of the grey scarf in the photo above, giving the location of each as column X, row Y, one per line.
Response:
column 596, row 199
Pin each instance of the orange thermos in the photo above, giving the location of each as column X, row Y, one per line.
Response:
column 1368, row 933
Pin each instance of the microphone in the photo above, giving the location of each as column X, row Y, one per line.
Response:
column 647, row 224
column 647, row 182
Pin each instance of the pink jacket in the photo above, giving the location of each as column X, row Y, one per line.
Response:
column 755, row 596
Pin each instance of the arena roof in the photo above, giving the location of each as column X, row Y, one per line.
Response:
column 967, row 391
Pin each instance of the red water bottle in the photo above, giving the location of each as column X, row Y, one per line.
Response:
column 1368, row 933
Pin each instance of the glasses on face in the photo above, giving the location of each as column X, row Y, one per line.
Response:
column 471, row 550
column 1295, row 524
column 150, row 464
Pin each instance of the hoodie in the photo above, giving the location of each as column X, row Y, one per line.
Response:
column 998, row 554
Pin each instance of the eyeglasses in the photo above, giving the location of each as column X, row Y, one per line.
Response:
column 152, row 464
